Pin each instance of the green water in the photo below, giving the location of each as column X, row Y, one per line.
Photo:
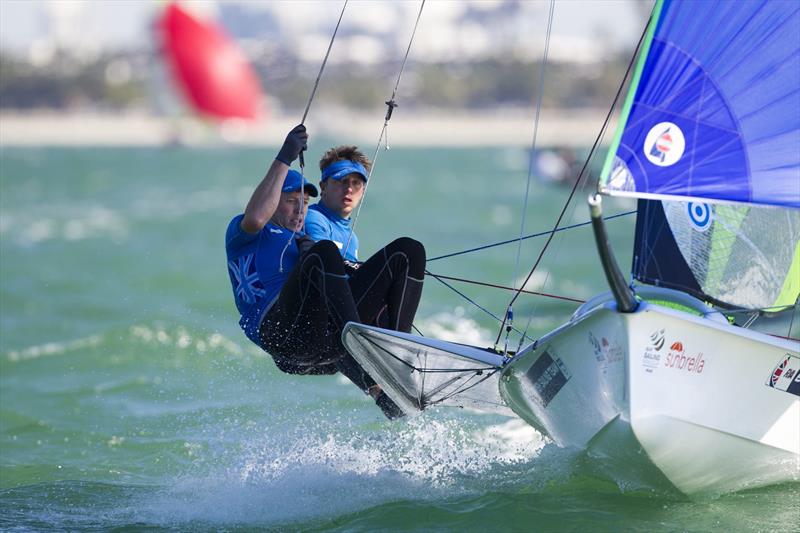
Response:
column 129, row 399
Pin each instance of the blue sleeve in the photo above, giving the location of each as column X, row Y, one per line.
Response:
column 236, row 237
column 317, row 226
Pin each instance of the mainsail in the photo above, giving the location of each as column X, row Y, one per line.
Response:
column 703, row 128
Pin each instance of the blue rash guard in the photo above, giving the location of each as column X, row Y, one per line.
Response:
column 258, row 266
column 322, row 224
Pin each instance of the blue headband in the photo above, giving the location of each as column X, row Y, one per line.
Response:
column 340, row 169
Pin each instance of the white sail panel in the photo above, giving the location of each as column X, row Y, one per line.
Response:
column 417, row 372
column 738, row 255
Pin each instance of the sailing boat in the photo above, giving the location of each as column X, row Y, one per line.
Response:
column 709, row 141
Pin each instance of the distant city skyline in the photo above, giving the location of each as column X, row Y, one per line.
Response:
column 370, row 29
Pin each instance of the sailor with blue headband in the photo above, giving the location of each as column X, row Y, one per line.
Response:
column 293, row 288
column 344, row 177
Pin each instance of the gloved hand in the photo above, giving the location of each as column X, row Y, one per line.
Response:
column 295, row 143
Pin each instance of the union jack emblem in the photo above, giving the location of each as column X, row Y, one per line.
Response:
column 247, row 285
column 776, row 374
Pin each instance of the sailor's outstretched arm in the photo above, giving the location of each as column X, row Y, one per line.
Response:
column 264, row 200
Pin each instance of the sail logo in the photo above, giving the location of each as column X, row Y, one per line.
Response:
column 786, row 375
column 664, row 144
column 700, row 215
column 651, row 357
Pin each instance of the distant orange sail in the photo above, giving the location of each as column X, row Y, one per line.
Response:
column 211, row 71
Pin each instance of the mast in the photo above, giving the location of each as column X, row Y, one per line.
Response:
column 623, row 295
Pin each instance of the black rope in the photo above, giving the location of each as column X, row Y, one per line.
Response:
column 483, row 372
column 494, row 286
column 581, row 174
column 464, row 389
column 319, row 76
column 473, row 302
column 429, row 370
column 531, row 236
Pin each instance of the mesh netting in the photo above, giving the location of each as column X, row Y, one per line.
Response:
column 738, row 255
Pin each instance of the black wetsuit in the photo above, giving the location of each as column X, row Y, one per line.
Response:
column 302, row 330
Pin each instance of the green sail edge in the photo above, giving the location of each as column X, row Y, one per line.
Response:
column 626, row 108
column 791, row 285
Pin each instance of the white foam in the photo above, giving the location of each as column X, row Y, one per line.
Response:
column 65, row 222
column 333, row 469
column 53, row 348
column 455, row 327
column 182, row 339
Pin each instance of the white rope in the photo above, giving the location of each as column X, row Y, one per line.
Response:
column 510, row 311
column 533, row 142
column 391, row 103
column 303, row 120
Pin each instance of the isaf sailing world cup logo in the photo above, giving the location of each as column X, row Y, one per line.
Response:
column 664, row 144
column 651, row 357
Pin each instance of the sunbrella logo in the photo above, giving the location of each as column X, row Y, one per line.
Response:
column 677, row 358
column 664, row 144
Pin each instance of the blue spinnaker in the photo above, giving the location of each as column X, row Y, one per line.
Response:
column 714, row 112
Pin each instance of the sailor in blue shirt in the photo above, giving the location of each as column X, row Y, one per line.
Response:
column 344, row 178
column 295, row 296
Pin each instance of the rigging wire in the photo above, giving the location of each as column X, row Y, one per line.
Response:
column 530, row 236
column 319, row 76
column 470, row 300
column 303, row 120
column 791, row 321
column 494, row 286
column 533, row 142
column 583, row 169
column 510, row 311
column 391, row 104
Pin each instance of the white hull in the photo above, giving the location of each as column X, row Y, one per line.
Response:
column 697, row 394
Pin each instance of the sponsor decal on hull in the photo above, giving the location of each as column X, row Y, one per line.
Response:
column 605, row 352
column 678, row 359
column 786, row 375
column 652, row 357
column 548, row 375
column 675, row 357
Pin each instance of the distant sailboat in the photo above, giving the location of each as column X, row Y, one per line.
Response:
column 709, row 141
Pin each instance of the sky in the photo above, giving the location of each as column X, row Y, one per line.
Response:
column 94, row 26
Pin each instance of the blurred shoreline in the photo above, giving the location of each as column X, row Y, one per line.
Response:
column 505, row 127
